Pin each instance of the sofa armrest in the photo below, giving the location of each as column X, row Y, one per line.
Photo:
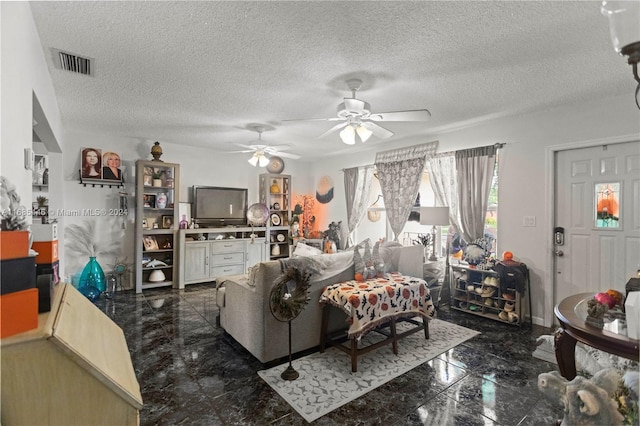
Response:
column 242, row 278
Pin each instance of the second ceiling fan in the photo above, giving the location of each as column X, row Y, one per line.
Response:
column 260, row 151
column 357, row 119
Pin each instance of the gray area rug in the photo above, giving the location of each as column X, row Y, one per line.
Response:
column 326, row 381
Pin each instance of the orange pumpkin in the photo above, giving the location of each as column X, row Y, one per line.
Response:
column 616, row 296
column 507, row 255
column 359, row 277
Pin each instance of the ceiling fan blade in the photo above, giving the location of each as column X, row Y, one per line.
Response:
column 252, row 147
column 276, row 147
column 409, row 115
column 286, row 155
column 239, row 152
column 333, row 129
column 315, row 119
column 377, row 130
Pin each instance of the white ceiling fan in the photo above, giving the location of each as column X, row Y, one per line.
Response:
column 357, row 119
column 260, row 151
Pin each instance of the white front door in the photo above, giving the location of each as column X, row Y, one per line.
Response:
column 594, row 257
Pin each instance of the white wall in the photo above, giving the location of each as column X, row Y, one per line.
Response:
column 23, row 74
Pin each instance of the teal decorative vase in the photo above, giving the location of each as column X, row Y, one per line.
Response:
column 92, row 280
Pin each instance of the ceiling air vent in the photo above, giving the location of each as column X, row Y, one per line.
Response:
column 74, row 63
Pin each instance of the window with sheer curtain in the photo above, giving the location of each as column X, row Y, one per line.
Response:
column 410, row 233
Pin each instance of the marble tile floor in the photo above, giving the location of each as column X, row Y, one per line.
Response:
column 192, row 373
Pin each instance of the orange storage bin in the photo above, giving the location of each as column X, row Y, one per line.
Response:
column 18, row 312
column 14, row 244
column 47, row 251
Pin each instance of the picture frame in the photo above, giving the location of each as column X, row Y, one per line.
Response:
column 184, row 210
column 146, row 180
column 167, row 222
column 91, row 163
column 149, row 201
column 276, row 220
column 150, row 242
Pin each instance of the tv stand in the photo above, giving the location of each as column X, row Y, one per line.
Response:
column 203, row 256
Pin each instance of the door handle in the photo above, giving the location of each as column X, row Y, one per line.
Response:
column 558, row 253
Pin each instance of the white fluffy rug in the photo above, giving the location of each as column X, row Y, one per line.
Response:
column 326, row 381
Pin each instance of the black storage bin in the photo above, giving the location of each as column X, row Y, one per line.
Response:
column 17, row 274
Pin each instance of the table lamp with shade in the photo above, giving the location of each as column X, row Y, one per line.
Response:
column 435, row 216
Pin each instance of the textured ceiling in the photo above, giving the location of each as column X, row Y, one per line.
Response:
column 198, row 73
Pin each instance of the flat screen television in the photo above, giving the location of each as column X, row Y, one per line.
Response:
column 218, row 206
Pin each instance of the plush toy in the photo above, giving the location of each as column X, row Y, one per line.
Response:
column 334, row 233
column 363, row 270
column 586, row 402
column 378, row 263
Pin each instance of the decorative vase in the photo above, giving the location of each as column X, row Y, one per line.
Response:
column 161, row 201
column 274, row 189
column 275, row 250
column 92, row 280
column 183, row 223
column 156, row 151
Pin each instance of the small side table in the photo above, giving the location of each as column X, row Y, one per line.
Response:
column 571, row 313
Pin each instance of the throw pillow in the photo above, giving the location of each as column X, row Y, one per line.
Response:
column 305, row 251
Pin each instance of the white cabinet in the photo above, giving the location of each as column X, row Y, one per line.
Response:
column 204, row 256
column 256, row 252
column 227, row 258
column 196, row 261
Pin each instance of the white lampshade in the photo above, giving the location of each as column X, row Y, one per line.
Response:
column 258, row 159
column 348, row 135
column 624, row 22
column 364, row 133
column 436, row 216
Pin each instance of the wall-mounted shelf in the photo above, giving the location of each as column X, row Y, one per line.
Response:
column 99, row 182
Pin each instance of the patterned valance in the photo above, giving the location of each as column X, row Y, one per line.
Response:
column 409, row 153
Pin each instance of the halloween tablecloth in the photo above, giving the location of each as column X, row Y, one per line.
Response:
column 377, row 300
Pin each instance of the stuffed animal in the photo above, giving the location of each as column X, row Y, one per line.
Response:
column 586, row 402
column 334, row 233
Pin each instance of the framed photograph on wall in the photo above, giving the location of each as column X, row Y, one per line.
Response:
column 91, row 163
column 111, row 166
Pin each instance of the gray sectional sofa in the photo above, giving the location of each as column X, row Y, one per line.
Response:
column 243, row 301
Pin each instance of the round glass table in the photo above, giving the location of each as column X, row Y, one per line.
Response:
column 609, row 335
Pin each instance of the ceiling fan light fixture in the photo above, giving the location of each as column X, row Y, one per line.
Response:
column 263, row 161
column 348, row 135
column 258, row 159
column 364, row 133
column 625, row 32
